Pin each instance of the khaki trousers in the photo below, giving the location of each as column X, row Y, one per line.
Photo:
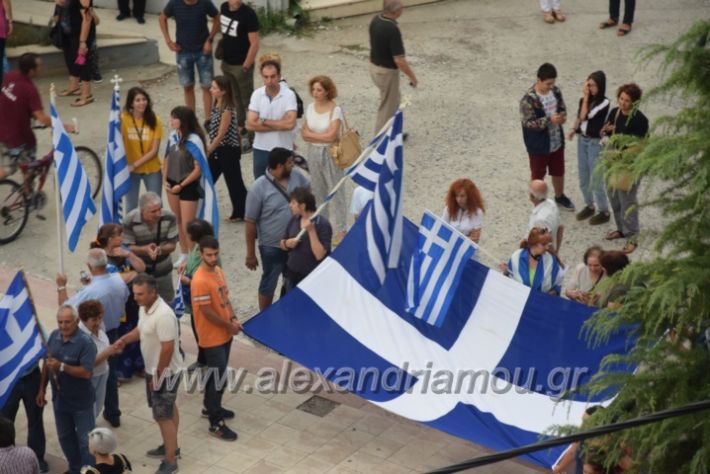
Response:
column 387, row 81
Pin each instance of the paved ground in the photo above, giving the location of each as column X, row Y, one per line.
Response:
column 474, row 59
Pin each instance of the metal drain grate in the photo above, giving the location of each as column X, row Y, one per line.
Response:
column 318, row 406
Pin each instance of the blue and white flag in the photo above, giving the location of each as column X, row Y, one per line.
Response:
column 178, row 303
column 20, row 339
column 74, row 186
column 384, row 222
column 435, row 269
column 207, row 206
column 117, row 179
column 487, row 374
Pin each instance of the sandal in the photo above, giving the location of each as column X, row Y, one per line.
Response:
column 68, row 92
column 235, row 219
column 559, row 16
column 608, row 24
column 629, row 247
column 548, row 17
column 624, row 30
column 614, row 234
column 79, row 102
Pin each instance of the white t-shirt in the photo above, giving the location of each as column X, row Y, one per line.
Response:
column 361, row 197
column 547, row 215
column 158, row 324
column 464, row 222
column 273, row 109
column 101, row 342
column 320, row 123
column 549, row 102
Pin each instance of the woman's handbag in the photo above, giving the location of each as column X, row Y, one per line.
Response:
column 347, row 149
column 55, row 36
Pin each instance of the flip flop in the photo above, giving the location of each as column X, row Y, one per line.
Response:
column 624, row 30
column 78, row 102
column 629, row 247
column 548, row 17
column 559, row 16
column 614, row 234
column 67, row 92
column 608, row 24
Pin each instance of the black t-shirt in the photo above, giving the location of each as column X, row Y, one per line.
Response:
column 191, row 22
column 235, row 27
column 117, row 468
column 301, row 259
column 385, row 42
column 637, row 126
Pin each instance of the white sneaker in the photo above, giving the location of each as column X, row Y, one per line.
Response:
column 180, row 261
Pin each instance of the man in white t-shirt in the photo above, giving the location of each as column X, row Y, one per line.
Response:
column 159, row 336
column 361, row 196
column 271, row 116
column 545, row 213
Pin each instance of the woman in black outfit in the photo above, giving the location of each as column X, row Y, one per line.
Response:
column 78, row 32
column 626, row 120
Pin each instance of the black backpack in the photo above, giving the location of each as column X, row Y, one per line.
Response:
column 299, row 101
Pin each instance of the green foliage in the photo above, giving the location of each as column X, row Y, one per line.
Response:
column 292, row 21
column 668, row 301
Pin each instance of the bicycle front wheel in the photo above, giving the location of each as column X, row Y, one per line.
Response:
column 92, row 166
column 14, row 211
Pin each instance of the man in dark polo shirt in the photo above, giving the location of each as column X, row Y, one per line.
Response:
column 69, row 365
column 387, row 59
column 193, row 45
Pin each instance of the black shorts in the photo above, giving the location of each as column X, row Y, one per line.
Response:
column 191, row 192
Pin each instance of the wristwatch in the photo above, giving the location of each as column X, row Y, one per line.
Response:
column 61, row 367
column 263, row 122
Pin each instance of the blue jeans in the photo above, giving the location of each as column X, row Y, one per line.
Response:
column 591, row 184
column 73, row 429
column 261, row 160
column 187, row 61
column 152, row 182
column 273, row 262
column 217, row 360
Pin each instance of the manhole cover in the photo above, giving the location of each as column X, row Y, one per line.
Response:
column 318, row 406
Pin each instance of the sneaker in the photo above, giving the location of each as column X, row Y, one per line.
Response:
column 246, row 144
column 599, row 218
column 195, row 366
column 114, row 422
column 225, row 414
column 122, row 17
column 140, row 20
column 564, row 202
column 167, row 468
column 221, row 431
column 585, row 213
column 97, row 79
column 159, row 452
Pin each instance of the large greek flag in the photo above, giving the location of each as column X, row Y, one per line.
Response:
column 74, row 187
column 207, row 207
column 20, row 339
column 435, row 269
column 116, row 182
column 488, row 373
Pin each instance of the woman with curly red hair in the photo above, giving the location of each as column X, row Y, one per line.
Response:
column 464, row 208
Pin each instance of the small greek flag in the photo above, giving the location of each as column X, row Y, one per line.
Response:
column 435, row 269
column 207, row 206
column 74, row 187
column 178, row 303
column 116, row 176
column 20, row 339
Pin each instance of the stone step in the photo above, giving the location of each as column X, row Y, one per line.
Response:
column 318, row 9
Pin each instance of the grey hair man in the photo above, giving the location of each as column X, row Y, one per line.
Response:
column 151, row 233
column 387, row 59
column 112, row 292
column 545, row 212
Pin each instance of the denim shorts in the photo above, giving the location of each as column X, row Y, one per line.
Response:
column 273, row 262
column 187, row 61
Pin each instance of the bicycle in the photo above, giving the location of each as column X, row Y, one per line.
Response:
column 18, row 200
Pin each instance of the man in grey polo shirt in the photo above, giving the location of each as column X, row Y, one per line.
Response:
column 267, row 215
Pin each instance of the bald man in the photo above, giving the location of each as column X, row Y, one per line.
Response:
column 545, row 212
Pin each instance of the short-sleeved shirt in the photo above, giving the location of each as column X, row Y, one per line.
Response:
column 636, row 126
column 158, row 324
column 135, row 232
column 111, row 291
column 546, row 215
column 73, row 393
column 118, row 467
column 464, row 222
column 301, row 259
column 210, row 289
column 581, row 279
column 101, row 342
column 273, row 108
column 236, row 26
column 138, row 138
column 191, row 22
column 18, row 459
column 268, row 207
column 385, row 42
column 320, row 123
column 19, row 100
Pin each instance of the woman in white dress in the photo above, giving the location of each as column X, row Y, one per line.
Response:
column 464, row 208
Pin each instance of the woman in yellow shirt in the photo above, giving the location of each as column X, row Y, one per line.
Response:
column 142, row 131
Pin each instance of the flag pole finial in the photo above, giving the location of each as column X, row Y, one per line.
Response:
column 116, row 81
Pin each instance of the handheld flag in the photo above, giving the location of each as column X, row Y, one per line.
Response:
column 74, row 187
column 207, row 207
column 435, row 269
column 178, row 303
column 116, row 182
column 20, row 339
